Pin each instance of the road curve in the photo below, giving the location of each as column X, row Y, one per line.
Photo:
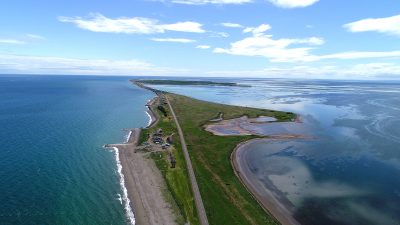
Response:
column 195, row 188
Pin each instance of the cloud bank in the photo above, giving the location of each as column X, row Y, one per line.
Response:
column 217, row 2
column 176, row 40
column 12, row 42
column 293, row 3
column 96, row 22
column 25, row 64
column 279, row 3
column 291, row 49
column 388, row 25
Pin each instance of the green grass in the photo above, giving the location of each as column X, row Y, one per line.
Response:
column 226, row 200
column 144, row 136
column 176, row 178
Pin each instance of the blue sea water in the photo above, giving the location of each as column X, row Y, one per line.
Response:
column 53, row 168
column 350, row 172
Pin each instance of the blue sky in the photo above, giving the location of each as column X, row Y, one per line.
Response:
column 236, row 38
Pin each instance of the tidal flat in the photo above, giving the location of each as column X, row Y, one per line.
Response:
column 351, row 165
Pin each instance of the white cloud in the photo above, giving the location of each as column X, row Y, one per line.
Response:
column 361, row 55
column 12, row 41
column 276, row 50
column 358, row 71
column 176, row 40
column 279, row 3
column 375, row 69
column 389, row 25
column 218, row 34
column 23, row 64
column 136, row 25
column 257, row 31
column 35, row 36
column 203, row 46
column 232, row 25
column 218, row 2
column 293, row 3
column 291, row 49
column 22, row 40
column 280, row 50
column 57, row 65
column 311, row 41
column 193, row 27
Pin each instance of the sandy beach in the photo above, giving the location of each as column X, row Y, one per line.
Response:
column 150, row 112
column 264, row 197
column 145, row 185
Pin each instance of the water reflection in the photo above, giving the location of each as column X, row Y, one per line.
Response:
column 350, row 173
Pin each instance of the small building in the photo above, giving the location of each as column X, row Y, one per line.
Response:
column 170, row 140
column 158, row 133
column 157, row 140
column 172, row 160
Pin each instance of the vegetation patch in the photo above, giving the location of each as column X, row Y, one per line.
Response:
column 189, row 82
column 162, row 110
column 176, row 178
column 225, row 198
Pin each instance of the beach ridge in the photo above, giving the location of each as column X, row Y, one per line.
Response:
column 274, row 209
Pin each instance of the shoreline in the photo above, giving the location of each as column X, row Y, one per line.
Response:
column 141, row 182
column 133, row 213
column 269, row 204
column 125, row 198
column 150, row 112
column 266, row 200
column 142, row 185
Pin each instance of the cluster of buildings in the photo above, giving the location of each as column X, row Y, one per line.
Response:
column 157, row 138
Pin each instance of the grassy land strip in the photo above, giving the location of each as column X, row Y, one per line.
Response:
column 188, row 82
column 176, row 178
column 226, row 200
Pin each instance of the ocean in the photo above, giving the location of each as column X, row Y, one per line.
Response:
column 53, row 168
column 348, row 173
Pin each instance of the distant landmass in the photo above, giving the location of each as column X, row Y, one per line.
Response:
column 191, row 82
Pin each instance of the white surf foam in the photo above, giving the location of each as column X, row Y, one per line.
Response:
column 128, row 136
column 120, row 199
column 150, row 119
column 127, row 206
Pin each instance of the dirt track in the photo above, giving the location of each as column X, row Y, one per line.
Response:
column 195, row 188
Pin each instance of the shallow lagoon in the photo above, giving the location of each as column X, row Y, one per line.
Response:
column 348, row 174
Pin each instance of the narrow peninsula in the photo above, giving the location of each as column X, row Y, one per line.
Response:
column 201, row 183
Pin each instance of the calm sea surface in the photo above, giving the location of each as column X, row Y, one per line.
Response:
column 350, row 172
column 53, row 169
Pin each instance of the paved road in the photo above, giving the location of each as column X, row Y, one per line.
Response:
column 195, row 188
